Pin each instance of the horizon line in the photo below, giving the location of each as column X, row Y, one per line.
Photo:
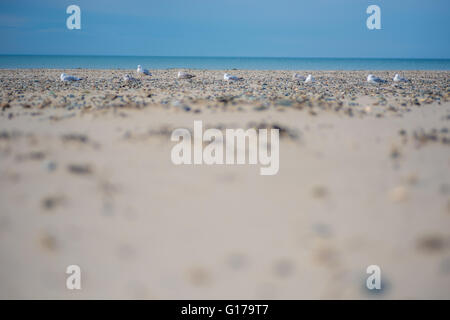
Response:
column 229, row 57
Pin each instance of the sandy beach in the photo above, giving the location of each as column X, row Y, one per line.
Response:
column 86, row 178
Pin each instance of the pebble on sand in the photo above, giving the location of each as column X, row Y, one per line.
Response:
column 83, row 169
column 50, row 202
column 431, row 243
column 319, row 191
column 284, row 268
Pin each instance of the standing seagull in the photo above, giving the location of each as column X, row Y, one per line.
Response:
column 140, row 70
column 66, row 77
column 184, row 75
column 229, row 77
column 372, row 79
column 309, row 78
column 397, row 78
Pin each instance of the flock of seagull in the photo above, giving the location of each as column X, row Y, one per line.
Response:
column 373, row 79
column 228, row 77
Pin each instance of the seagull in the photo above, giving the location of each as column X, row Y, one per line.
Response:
column 229, row 77
column 373, row 79
column 184, row 75
column 309, row 78
column 65, row 77
column 129, row 78
column 297, row 76
column 143, row 71
column 397, row 78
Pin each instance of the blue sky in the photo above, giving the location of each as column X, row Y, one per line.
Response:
column 263, row 28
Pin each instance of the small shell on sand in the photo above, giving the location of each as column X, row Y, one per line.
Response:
column 398, row 194
column 48, row 242
column 199, row 277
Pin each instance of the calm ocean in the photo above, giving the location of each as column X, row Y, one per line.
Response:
column 217, row 63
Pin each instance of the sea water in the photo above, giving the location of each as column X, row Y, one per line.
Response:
column 217, row 63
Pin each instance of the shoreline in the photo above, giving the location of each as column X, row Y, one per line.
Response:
column 212, row 63
column 232, row 69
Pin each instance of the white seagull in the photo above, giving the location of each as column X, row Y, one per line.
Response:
column 297, row 76
column 143, row 71
column 65, row 77
column 129, row 78
column 373, row 79
column 309, row 78
column 229, row 77
column 397, row 78
column 184, row 75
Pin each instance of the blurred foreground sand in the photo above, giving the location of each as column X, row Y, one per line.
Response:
column 86, row 179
